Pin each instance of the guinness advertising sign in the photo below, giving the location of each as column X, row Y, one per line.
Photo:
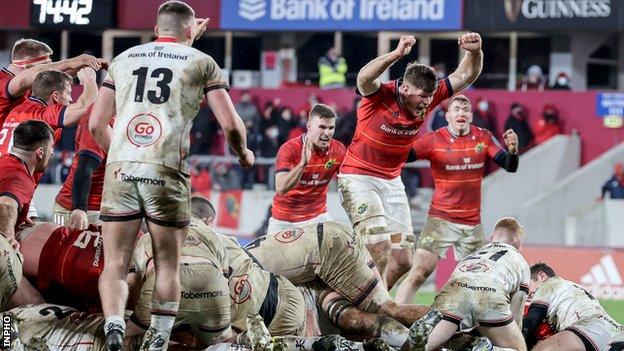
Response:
column 538, row 15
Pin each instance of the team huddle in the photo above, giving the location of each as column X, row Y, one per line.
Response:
column 132, row 261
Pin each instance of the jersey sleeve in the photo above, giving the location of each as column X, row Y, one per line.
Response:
column 17, row 186
column 424, row 146
column 109, row 81
column 213, row 76
column 542, row 295
column 86, row 144
column 287, row 158
column 4, row 89
column 525, row 280
column 52, row 115
column 493, row 146
column 380, row 94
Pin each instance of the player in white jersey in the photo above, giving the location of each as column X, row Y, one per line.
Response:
column 331, row 254
column 581, row 322
column 486, row 291
column 154, row 90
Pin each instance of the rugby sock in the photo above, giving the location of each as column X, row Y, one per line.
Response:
column 163, row 315
column 114, row 323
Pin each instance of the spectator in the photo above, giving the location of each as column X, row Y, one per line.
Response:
column 203, row 130
column 285, row 122
column 345, row 126
column 483, row 116
column 304, row 109
column 299, row 129
column 562, row 82
column 534, row 79
column 615, row 185
column 332, row 70
column 270, row 115
column 226, row 176
column 201, row 180
column 248, row 112
column 269, row 143
column 438, row 119
column 517, row 121
column 549, row 125
column 62, row 168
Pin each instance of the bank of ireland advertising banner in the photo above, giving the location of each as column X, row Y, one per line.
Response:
column 347, row 15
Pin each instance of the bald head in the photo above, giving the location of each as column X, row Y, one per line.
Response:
column 508, row 230
column 174, row 18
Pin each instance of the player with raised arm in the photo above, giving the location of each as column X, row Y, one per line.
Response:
column 51, row 101
column 458, row 154
column 154, row 90
column 304, row 167
column 388, row 121
column 29, row 57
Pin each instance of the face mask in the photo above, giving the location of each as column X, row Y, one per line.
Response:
column 562, row 81
column 483, row 106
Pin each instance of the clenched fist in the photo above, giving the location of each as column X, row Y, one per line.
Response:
column 470, row 42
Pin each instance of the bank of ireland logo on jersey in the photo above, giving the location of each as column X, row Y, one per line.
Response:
column 252, row 9
column 144, row 130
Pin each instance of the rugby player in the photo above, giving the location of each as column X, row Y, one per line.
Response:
column 581, row 322
column 154, row 90
column 304, row 167
column 51, row 101
column 458, row 154
column 252, row 289
column 486, row 291
column 29, row 57
column 389, row 118
column 78, row 201
column 330, row 253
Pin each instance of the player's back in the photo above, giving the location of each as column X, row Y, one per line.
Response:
column 495, row 265
column 293, row 253
column 568, row 303
column 70, row 264
column 158, row 87
column 54, row 328
column 248, row 283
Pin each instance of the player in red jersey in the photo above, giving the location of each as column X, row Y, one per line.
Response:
column 51, row 101
column 30, row 153
column 304, row 168
column 458, row 154
column 64, row 264
column 29, row 57
column 78, row 202
column 388, row 121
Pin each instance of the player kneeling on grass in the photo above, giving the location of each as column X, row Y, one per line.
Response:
column 581, row 322
column 487, row 292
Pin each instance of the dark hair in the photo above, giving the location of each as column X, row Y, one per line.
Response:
column 48, row 82
column 31, row 134
column 421, row 76
column 322, row 111
column 202, row 208
column 542, row 267
column 24, row 49
column 173, row 16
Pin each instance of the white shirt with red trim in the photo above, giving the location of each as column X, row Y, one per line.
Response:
column 158, row 87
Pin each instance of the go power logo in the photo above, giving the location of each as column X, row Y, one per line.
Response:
column 252, row 9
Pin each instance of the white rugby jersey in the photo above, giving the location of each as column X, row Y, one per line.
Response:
column 158, row 87
column 497, row 263
column 54, row 327
column 567, row 303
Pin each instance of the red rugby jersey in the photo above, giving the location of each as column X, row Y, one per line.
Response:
column 17, row 183
column 70, row 264
column 32, row 108
column 457, row 166
column 308, row 198
column 85, row 144
column 8, row 102
column 385, row 131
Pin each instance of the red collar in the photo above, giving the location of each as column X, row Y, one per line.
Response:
column 166, row 40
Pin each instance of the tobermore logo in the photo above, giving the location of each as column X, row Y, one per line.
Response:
column 604, row 280
column 252, row 9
